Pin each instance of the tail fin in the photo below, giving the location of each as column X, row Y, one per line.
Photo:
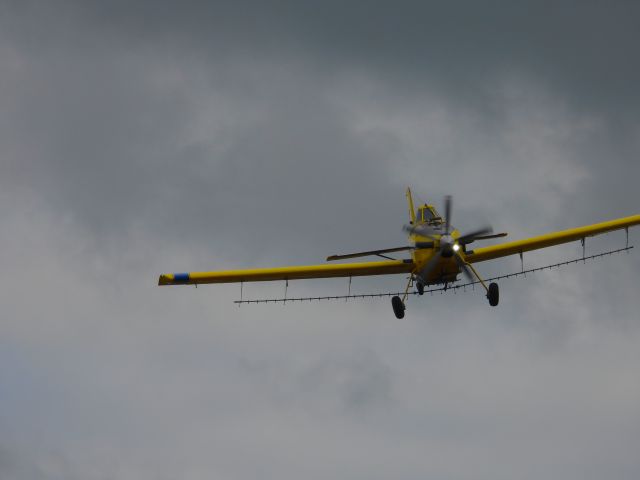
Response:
column 412, row 212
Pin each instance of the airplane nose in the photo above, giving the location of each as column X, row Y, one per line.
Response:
column 447, row 251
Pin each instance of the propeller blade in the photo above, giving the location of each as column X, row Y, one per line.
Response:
column 424, row 245
column 471, row 236
column 463, row 266
column 431, row 264
column 447, row 214
column 422, row 230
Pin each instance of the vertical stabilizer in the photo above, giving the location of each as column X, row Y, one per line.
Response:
column 412, row 212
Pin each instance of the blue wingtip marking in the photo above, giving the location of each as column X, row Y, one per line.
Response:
column 180, row 277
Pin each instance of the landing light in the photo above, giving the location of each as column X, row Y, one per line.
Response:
column 456, row 247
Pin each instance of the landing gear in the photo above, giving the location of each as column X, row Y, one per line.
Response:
column 420, row 288
column 398, row 303
column 493, row 294
column 398, row 306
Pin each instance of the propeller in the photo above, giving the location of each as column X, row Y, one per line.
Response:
column 446, row 246
column 489, row 237
column 422, row 230
column 474, row 235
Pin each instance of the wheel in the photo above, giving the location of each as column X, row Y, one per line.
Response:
column 494, row 294
column 398, row 307
column 420, row 287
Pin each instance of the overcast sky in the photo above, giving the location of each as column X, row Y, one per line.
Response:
column 138, row 138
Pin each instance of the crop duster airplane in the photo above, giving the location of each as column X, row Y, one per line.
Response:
column 439, row 253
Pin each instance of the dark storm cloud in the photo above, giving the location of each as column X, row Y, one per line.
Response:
column 584, row 48
column 133, row 82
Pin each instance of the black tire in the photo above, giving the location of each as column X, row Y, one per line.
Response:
column 420, row 287
column 494, row 294
column 398, row 307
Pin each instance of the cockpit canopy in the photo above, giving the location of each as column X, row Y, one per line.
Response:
column 428, row 214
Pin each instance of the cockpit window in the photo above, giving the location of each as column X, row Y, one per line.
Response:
column 429, row 215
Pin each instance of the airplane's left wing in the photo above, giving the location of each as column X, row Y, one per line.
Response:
column 289, row 273
column 548, row 240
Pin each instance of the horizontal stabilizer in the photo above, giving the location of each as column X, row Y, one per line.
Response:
column 488, row 237
column 369, row 253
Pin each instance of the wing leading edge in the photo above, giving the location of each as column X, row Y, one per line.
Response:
column 550, row 239
column 289, row 273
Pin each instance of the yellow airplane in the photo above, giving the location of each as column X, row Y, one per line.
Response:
column 439, row 253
